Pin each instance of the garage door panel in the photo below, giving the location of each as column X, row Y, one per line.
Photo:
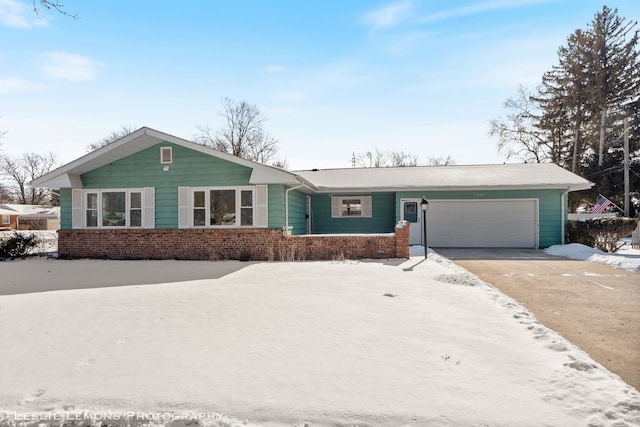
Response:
column 495, row 223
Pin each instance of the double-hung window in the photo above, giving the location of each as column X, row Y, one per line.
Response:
column 222, row 207
column 113, row 208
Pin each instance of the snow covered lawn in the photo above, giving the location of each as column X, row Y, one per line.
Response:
column 423, row 343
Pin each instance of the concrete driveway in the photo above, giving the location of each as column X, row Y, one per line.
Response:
column 595, row 306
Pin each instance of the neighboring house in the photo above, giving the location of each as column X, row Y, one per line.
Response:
column 29, row 217
column 153, row 195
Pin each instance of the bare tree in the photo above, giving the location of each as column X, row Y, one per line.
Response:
column 20, row 171
column 242, row 135
column 280, row 163
column 386, row 159
column 371, row 159
column 518, row 134
column 49, row 5
column 112, row 137
column 441, row 161
column 402, row 159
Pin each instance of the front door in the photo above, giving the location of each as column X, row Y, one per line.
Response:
column 410, row 212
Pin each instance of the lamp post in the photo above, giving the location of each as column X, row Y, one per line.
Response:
column 424, row 205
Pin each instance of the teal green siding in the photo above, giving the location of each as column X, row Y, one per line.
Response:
column 65, row 209
column 189, row 168
column 550, row 207
column 297, row 209
column 276, row 206
column 382, row 219
column 297, row 212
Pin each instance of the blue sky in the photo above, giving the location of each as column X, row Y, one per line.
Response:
column 332, row 77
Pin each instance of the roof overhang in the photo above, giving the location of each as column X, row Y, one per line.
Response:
column 69, row 175
column 444, row 178
column 354, row 190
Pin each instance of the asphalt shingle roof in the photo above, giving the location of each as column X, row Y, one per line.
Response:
column 538, row 175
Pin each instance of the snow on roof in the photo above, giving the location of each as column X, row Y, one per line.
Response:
column 68, row 176
column 505, row 176
column 29, row 210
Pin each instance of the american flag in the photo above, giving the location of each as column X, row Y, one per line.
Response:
column 601, row 205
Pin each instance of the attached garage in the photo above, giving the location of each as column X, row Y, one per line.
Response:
column 506, row 206
column 483, row 223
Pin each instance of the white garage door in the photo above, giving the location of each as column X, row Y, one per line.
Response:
column 483, row 223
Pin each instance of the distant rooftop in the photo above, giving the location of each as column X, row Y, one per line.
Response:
column 29, row 210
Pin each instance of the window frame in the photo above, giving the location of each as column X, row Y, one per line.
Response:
column 337, row 203
column 99, row 206
column 162, row 151
column 8, row 219
column 237, row 202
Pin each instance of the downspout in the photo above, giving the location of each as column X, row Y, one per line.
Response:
column 286, row 208
column 562, row 211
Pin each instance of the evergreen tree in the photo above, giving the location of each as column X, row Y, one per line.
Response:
column 614, row 70
column 581, row 106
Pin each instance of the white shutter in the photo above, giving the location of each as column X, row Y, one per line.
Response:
column 183, row 207
column 366, row 206
column 336, row 208
column 76, row 208
column 149, row 208
column 262, row 207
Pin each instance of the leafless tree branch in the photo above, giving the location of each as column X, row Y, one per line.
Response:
column 51, row 4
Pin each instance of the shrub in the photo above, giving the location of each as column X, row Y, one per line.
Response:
column 578, row 232
column 601, row 233
column 17, row 245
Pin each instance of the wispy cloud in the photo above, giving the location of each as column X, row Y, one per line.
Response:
column 274, row 69
column 15, row 14
column 482, row 7
column 15, row 84
column 388, row 16
column 69, row 66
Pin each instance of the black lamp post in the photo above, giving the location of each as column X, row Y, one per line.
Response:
column 424, row 205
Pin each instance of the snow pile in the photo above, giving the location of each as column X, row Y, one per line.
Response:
column 626, row 258
column 378, row 343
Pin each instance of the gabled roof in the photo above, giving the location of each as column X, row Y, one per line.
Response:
column 474, row 177
column 69, row 174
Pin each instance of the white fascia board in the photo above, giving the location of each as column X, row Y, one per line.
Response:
column 269, row 175
column 65, row 180
column 45, row 181
column 348, row 190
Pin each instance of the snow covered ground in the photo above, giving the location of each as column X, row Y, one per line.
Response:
column 418, row 343
column 625, row 258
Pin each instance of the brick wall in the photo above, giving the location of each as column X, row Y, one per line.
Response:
column 214, row 244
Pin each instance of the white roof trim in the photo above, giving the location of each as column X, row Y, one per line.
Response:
column 444, row 178
column 143, row 138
